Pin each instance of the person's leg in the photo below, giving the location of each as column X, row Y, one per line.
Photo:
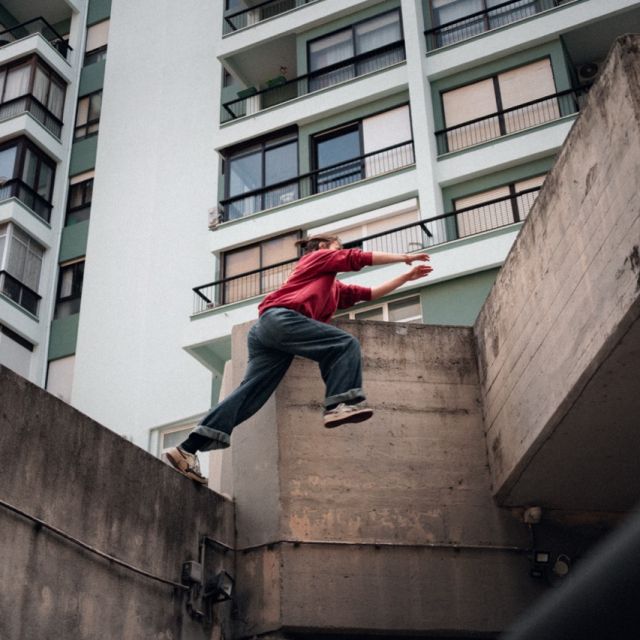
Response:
column 265, row 370
column 336, row 351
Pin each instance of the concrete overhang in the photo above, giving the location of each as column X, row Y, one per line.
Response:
column 36, row 43
column 559, row 335
column 537, row 29
column 319, row 104
column 25, row 124
column 366, row 195
column 12, row 210
column 302, row 19
column 20, row 321
column 503, row 153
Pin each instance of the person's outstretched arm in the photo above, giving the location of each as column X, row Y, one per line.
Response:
column 418, row 271
column 380, row 257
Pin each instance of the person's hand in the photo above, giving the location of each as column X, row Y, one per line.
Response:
column 419, row 271
column 413, row 257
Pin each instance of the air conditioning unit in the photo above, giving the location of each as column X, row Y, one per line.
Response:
column 588, row 72
column 215, row 217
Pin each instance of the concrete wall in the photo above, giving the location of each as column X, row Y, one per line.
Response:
column 65, row 469
column 388, row 526
column 558, row 338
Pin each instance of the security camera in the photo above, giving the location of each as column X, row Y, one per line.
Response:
column 532, row 515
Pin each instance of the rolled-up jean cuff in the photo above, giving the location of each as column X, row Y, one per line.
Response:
column 352, row 396
column 218, row 439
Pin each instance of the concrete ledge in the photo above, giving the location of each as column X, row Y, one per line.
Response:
column 558, row 338
column 65, row 469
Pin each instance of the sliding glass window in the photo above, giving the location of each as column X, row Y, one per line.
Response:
column 344, row 45
column 266, row 172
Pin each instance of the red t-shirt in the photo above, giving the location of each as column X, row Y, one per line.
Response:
column 313, row 290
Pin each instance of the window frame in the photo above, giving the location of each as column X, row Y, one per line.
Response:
column 23, row 144
column 83, row 184
column 261, row 145
column 89, row 122
column 76, row 267
column 351, row 27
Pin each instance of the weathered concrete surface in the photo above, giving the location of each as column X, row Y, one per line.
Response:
column 558, row 337
column 65, row 469
column 353, row 529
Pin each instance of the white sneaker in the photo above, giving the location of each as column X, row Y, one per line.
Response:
column 345, row 413
column 185, row 463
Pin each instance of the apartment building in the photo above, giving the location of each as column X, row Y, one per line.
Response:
column 228, row 131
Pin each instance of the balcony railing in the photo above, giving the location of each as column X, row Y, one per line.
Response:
column 30, row 104
column 332, row 177
column 497, row 16
column 258, row 13
column 36, row 25
column 19, row 293
column 500, row 123
column 285, row 90
column 416, row 236
column 20, row 190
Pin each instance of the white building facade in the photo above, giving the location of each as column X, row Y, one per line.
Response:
column 228, row 131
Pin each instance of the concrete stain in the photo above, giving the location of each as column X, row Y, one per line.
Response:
column 633, row 260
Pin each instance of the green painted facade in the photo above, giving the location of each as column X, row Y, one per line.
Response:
column 74, row 241
column 457, row 302
column 63, row 337
column 83, row 155
column 91, row 78
column 494, row 180
column 99, row 10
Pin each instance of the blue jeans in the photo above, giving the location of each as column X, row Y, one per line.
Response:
column 278, row 336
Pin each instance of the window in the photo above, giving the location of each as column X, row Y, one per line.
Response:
column 360, row 38
column 446, row 11
column 258, row 256
column 269, row 167
column 493, row 95
column 20, row 264
column 30, row 85
column 96, row 45
column 496, row 207
column 88, row 115
column 388, row 133
column 79, row 201
column 69, row 289
column 407, row 310
column 27, row 174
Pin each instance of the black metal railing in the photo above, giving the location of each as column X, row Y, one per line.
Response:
column 30, row 104
column 21, row 294
column 332, row 177
column 283, row 90
column 500, row 123
column 491, row 18
column 257, row 13
column 36, row 25
column 416, row 236
column 20, row 190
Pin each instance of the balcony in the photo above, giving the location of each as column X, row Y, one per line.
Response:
column 279, row 90
column 36, row 25
column 257, row 13
column 506, row 121
column 335, row 176
column 466, row 27
column 30, row 104
column 417, row 236
column 22, row 295
column 20, row 190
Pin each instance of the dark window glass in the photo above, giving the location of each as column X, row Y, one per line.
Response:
column 69, row 290
column 335, row 148
column 79, row 204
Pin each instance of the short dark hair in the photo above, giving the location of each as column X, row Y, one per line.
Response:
column 313, row 243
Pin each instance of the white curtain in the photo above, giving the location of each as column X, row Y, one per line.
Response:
column 377, row 32
column 56, row 99
column 17, row 83
column 330, row 50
